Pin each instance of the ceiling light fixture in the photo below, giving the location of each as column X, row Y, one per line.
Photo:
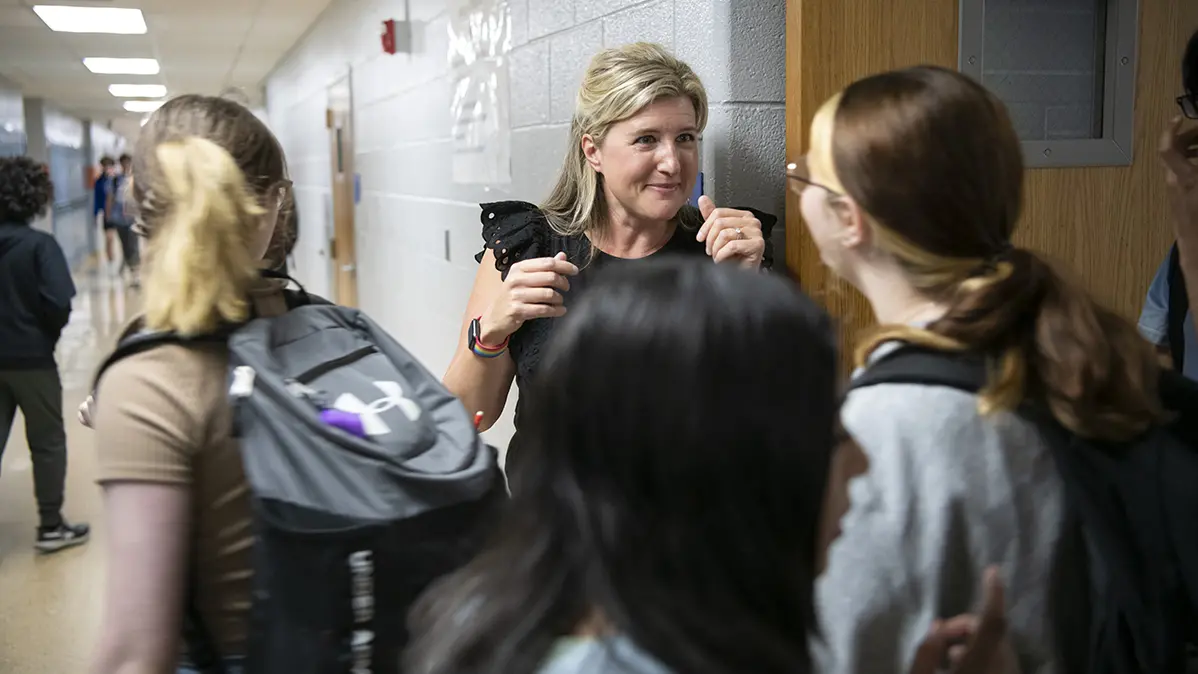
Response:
column 143, row 106
column 137, row 90
column 113, row 66
column 113, row 20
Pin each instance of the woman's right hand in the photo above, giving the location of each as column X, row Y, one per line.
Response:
column 531, row 290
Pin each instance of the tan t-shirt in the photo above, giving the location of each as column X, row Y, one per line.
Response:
column 163, row 416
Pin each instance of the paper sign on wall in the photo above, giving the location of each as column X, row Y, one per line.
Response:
column 479, row 43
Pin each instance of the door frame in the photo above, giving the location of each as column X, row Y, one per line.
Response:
column 343, row 254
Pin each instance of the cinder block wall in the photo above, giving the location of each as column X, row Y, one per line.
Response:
column 401, row 114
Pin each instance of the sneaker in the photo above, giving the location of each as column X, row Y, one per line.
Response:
column 61, row 537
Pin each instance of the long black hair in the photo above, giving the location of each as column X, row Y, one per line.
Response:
column 679, row 439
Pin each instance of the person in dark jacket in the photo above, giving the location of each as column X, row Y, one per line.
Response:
column 35, row 303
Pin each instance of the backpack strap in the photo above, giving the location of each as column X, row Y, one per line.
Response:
column 1115, row 607
column 910, row 364
column 138, row 341
column 295, row 298
column 1178, row 310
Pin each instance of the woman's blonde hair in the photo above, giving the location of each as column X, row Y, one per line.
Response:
column 202, row 170
column 933, row 159
column 618, row 84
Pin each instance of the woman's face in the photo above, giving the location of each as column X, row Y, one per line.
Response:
column 825, row 223
column 848, row 461
column 649, row 161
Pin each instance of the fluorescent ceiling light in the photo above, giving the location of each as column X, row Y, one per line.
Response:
column 143, row 106
column 137, row 90
column 113, row 20
column 109, row 66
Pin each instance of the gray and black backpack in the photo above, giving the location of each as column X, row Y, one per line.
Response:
column 368, row 481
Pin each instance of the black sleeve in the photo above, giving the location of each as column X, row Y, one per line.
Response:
column 55, row 287
column 768, row 221
column 514, row 231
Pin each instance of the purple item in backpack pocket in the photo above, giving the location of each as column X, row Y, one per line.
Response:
column 346, row 421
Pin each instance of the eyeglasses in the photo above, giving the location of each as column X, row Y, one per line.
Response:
column 1189, row 105
column 276, row 196
column 798, row 172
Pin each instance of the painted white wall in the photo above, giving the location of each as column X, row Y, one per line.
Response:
column 12, row 120
column 401, row 115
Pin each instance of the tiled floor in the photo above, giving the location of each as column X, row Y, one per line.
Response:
column 50, row 605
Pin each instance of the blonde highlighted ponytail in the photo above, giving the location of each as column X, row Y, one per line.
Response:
column 199, row 261
column 1047, row 341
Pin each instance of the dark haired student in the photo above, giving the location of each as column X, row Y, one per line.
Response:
column 663, row 525
column 35, row 303
column 1166, row 319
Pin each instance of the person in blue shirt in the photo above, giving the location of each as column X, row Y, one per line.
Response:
column 1166, row 319
column 101, row 190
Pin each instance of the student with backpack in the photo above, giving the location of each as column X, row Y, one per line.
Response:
column 674, row 512
column 1166, row 319
column 1005, row 413
column 280, row 478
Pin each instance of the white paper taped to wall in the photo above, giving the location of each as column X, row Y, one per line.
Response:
column 480, row 135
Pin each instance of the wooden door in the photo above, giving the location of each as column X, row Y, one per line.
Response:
column 343, row 256
column 1109, row 226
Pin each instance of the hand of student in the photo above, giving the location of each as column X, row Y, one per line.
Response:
column 1178, row 148
column 971, row 644
column 529, row 291
column 731, row 235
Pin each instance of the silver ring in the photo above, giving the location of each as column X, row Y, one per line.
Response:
column 738, row 234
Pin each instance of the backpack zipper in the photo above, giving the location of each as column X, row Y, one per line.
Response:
column 355, row 355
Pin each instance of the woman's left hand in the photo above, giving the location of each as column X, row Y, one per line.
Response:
column 731, row 235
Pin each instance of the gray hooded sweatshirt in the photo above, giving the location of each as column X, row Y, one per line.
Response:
column 948, row 493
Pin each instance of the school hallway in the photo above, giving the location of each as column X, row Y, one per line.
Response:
column 50, row 604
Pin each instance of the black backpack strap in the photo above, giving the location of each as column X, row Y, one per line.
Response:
column 137, row 342
column 918, row 365
column 1177, row 311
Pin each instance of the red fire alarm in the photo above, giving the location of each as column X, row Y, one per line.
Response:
column 389, row 36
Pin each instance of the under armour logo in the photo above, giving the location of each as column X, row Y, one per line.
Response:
column 393, row 397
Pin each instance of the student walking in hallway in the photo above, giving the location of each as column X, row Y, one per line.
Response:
column 35, row 303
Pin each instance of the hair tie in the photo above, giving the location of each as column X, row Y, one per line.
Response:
column 989, row 264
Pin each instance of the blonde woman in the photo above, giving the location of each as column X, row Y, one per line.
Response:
column 211, row 182
column 621, row 197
